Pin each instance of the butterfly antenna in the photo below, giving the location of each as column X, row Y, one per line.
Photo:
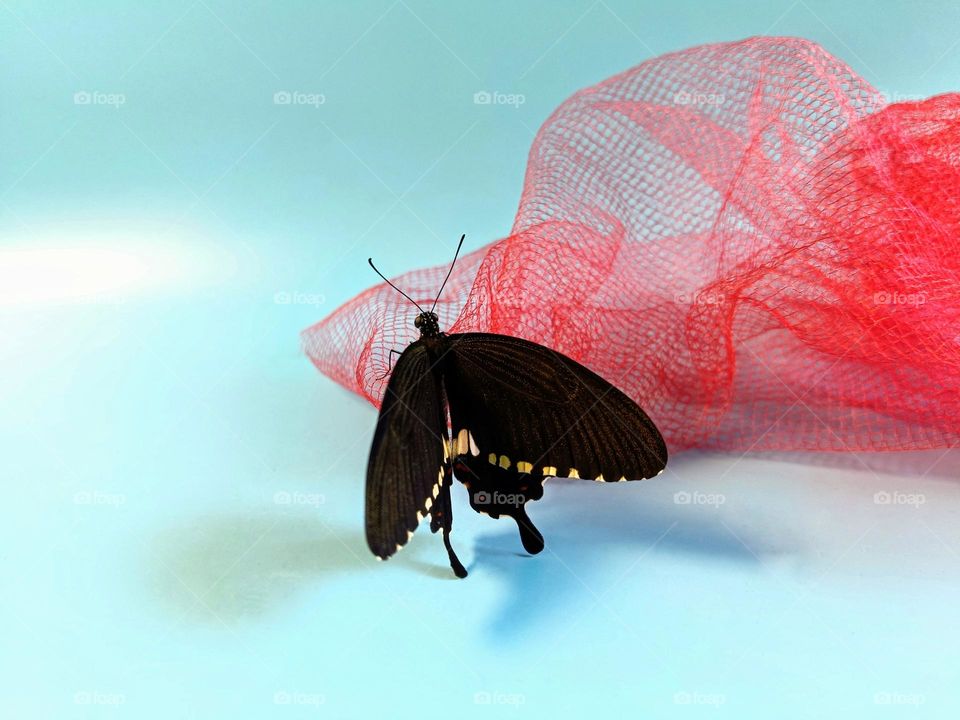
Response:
column 370, row 260
column 459, row 245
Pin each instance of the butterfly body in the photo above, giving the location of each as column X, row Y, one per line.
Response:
column 502, row 415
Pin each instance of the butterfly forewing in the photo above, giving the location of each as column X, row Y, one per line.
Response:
column 407, row 458
column 527, row 408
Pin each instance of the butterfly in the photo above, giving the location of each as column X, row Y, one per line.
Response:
column 501, row 415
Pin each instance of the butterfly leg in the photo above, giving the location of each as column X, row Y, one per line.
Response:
column 441, row 518
column 390, row 363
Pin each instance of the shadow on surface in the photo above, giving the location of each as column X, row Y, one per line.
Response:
column 940, row 464
column 616, row 520
column 238, row 567
column 231, row 568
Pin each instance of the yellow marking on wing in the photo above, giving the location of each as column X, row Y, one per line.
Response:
column 524, row 467
column 572, row 472
column 504, row 462
column 550, row 470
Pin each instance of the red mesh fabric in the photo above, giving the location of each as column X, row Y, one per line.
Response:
column 745, row 238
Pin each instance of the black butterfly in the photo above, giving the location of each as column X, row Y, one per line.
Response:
column 519, row 413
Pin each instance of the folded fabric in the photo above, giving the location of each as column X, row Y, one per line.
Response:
column 746, row 238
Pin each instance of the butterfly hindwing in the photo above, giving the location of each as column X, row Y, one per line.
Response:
column 407, row 458
column 497, row 492
column 529, row 409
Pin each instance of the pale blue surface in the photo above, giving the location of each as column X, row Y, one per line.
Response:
column 150, row 434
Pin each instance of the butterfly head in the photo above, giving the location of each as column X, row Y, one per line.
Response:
column 427, row 321
column 428, row 324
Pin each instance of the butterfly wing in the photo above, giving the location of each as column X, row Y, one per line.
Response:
column 407, row 459
column 497, row 492
column 526, row 408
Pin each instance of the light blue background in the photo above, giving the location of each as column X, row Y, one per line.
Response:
column 182, row 492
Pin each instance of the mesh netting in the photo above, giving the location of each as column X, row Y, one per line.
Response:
column 745, row 238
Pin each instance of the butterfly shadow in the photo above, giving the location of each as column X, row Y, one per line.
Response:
column 584, row 524
column 236, row 568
